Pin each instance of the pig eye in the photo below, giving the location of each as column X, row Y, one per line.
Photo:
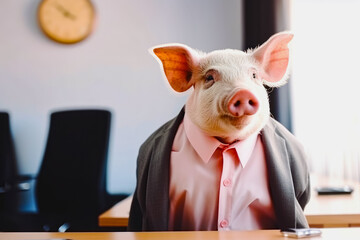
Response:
column 209, row 78
column 253, row 74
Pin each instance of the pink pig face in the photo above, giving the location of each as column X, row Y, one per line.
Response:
column 229, row 100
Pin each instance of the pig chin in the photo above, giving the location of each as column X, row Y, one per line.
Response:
column 237, row 122
column 239, row 128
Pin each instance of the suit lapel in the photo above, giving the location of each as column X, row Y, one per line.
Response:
column 279, row 174
column 157, row 203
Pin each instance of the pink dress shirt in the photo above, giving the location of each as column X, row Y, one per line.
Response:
column 214, row 186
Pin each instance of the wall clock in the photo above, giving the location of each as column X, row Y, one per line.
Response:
column 66, row 21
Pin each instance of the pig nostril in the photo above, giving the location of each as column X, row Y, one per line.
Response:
column 243, row 103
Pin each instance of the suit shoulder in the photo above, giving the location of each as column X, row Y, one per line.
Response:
column 276, row 132
column 296, row 155
column 167, row 130
column 283, row 132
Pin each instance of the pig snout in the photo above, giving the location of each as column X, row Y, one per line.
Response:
column 243, row 103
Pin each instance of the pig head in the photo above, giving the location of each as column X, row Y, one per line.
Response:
column 229, row 100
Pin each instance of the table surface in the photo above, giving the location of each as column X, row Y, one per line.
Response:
column 321, row 211
column 333, row 210
column 118, row 215
column 327, row 234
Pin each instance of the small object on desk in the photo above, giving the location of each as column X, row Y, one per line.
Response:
column 334, row 190
column 301, row 232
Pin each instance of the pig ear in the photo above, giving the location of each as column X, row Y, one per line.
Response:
column 178, row 62
column 273, row 57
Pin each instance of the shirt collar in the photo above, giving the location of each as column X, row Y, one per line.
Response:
column 205, row 145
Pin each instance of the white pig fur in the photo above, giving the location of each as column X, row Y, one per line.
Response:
column 231, row 70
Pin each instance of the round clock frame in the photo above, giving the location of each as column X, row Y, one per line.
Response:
column 66, row 21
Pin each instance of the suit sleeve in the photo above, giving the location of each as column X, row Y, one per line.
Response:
column 300, row 174
column 297, row 158
column 137, row 210
column 298, row 164
column 304, row 198
column 135, row 217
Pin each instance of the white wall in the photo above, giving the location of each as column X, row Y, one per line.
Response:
column 111, row 69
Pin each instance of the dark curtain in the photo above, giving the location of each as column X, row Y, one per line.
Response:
column 263, row 18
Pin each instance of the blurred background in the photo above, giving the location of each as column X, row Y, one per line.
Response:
column 112, row 69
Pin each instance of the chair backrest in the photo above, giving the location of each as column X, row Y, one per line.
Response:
column 72, row 175
column 8, row 165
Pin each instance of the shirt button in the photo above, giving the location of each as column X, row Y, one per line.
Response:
column 227, row 182
column 224, row 223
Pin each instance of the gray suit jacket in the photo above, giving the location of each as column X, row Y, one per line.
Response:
column 287, row 172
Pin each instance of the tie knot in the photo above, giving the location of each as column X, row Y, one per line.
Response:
column 224, row 146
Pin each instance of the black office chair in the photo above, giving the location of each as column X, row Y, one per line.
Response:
column 8, row 165
column 71, row 184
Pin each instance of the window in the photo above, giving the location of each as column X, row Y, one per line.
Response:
column 325, row 84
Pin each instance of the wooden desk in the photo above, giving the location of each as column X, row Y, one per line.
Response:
column 321, row 211
column 328, row 234
column 118, row 215
column 333, row 210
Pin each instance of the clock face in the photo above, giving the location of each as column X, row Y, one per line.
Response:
column 66, row 21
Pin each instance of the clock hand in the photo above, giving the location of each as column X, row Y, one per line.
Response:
column 69, row 15
column 65, row 12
